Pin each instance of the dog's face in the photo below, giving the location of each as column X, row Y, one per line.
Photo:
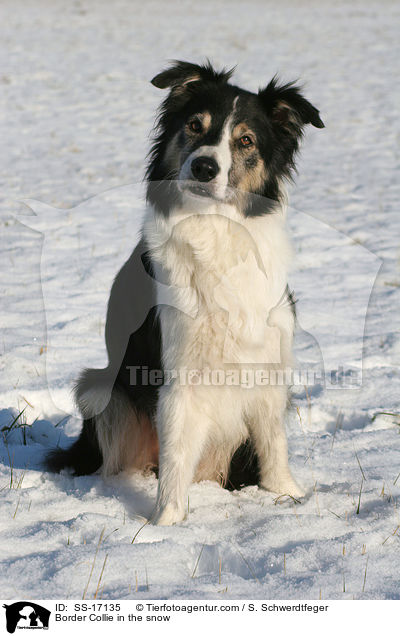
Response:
column 218, row 141
column 221, row 146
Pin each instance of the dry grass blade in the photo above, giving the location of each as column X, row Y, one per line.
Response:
column 373, row 418
column 359, row 498
column 391, row 535
column 197, row 562
column 279, row 497
column 365, row 576
column 94, row 562
column 61, row 421
column 15, row 512
column 112, row 532
column 249, row 566
column 362, row 472
column 101, row 576
column 140, row 529
column 7, row 429
column 21, row 479
column 300, row 419
column 10, row 461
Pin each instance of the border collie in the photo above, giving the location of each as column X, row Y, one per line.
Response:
column 203, row 297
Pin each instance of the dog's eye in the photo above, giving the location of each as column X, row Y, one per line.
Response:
column 195, row 126
column 246, row 141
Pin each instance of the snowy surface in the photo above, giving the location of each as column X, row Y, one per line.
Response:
column 77, row 108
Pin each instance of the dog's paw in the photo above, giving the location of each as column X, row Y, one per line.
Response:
column 167, row 516
column 287, row 487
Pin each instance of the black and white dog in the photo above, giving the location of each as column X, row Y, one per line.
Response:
column 202, row 300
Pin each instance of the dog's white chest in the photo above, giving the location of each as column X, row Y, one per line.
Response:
column 226, row 277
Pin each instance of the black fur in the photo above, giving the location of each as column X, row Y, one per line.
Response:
column 84, row 456
column 244, row 468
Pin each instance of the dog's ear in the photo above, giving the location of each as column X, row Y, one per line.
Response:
column 287, row 107
column 180, row 74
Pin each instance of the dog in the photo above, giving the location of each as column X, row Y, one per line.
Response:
column 203, row 299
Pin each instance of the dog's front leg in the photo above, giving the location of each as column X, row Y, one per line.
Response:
column 182, row 431
column 268, row 433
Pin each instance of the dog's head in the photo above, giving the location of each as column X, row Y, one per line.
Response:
column 218, row 141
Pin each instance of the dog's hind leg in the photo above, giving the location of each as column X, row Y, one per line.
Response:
column 126, row 436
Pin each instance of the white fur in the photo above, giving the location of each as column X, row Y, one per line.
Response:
column 233, row 271
column 221, row 152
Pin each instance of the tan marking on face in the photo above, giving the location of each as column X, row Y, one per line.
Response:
column 248, row 172
column 251, row 179
column 240, row 130
column 205, row 120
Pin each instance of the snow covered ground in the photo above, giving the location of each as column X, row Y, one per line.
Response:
column 77, row 108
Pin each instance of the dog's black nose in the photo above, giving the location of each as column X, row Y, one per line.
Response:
column 204, row 168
